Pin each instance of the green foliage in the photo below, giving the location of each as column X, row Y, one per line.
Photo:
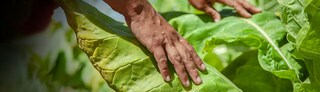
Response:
column 301, row 19
column 263, row 53
column 123, row 62
column 247, row 74
column 295, row 58
column 64, row 67
column 263, row 32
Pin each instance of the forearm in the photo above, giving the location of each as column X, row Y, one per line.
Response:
column 132, row 9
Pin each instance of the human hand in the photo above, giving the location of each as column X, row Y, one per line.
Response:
column 241, row 6
column 161, row 39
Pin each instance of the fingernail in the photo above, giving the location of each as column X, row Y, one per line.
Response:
column 248, row 15
column 167, row 78
column 199, row 80
column 203, row 67
column 216, row 20
column 187, row 83
column 258, row 9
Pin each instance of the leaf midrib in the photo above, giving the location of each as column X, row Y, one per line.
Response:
column 265, row 35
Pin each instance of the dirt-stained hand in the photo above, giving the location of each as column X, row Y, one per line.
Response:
column 244, row 8
column 154, row 32
column 165, row 43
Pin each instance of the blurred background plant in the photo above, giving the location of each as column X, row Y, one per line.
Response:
column 51, row 60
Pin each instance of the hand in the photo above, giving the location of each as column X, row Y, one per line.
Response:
column 154, row 32
column 241, row 6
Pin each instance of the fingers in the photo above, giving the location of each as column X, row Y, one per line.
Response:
column 249, row 7
column 215, row 15
column 161, row 59
column 239, row 8
column 206, row 7
column 176, row 60
column 243, row 12
column 187, row 60
column 242, row 7
column 196, row 59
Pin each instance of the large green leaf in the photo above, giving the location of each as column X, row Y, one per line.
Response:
column 233, row 30
column 301, row 19
column 308, row 42
column 308, row 39
column 264, row 31
column 247, row 74
column 123, row 62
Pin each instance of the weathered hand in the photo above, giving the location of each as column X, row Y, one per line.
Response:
column 154, row 32
column 241, row 6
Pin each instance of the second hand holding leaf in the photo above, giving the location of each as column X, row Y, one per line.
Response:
column 244, row 8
